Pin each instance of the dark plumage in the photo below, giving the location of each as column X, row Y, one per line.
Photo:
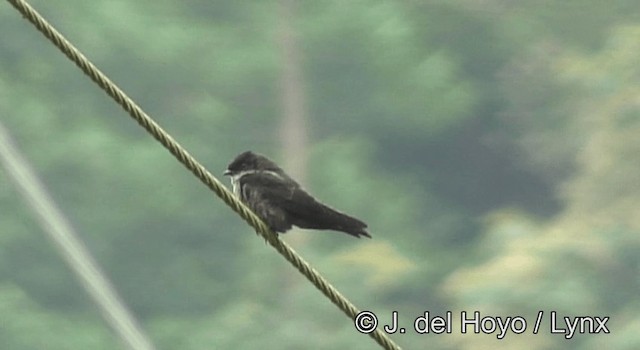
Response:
column 280, row 201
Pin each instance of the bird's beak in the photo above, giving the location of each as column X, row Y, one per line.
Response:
column 227, row 172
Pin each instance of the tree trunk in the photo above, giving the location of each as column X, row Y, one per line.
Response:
column 293, row 132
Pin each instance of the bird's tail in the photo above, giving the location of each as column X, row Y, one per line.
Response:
column 351, row 225
column 330, row 219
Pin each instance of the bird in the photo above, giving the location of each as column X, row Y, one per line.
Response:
column 281, row 202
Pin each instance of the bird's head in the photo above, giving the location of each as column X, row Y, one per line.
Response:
column 249, row 162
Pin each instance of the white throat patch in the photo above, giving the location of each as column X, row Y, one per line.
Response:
column 235, row 179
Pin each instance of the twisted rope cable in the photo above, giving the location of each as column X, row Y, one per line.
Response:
column 196, row 168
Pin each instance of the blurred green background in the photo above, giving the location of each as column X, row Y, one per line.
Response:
column 493, row 148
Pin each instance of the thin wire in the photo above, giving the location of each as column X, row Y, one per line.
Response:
column 76, row 255
column 196, row 168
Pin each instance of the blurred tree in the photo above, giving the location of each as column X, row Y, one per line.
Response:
column 493, row 136
column 585, row 261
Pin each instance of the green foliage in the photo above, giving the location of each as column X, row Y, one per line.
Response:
column 492, row 149
column 25, row 325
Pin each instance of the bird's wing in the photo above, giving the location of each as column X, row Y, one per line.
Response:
column 265, row 195
column 282, row 202
column 306, row 212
